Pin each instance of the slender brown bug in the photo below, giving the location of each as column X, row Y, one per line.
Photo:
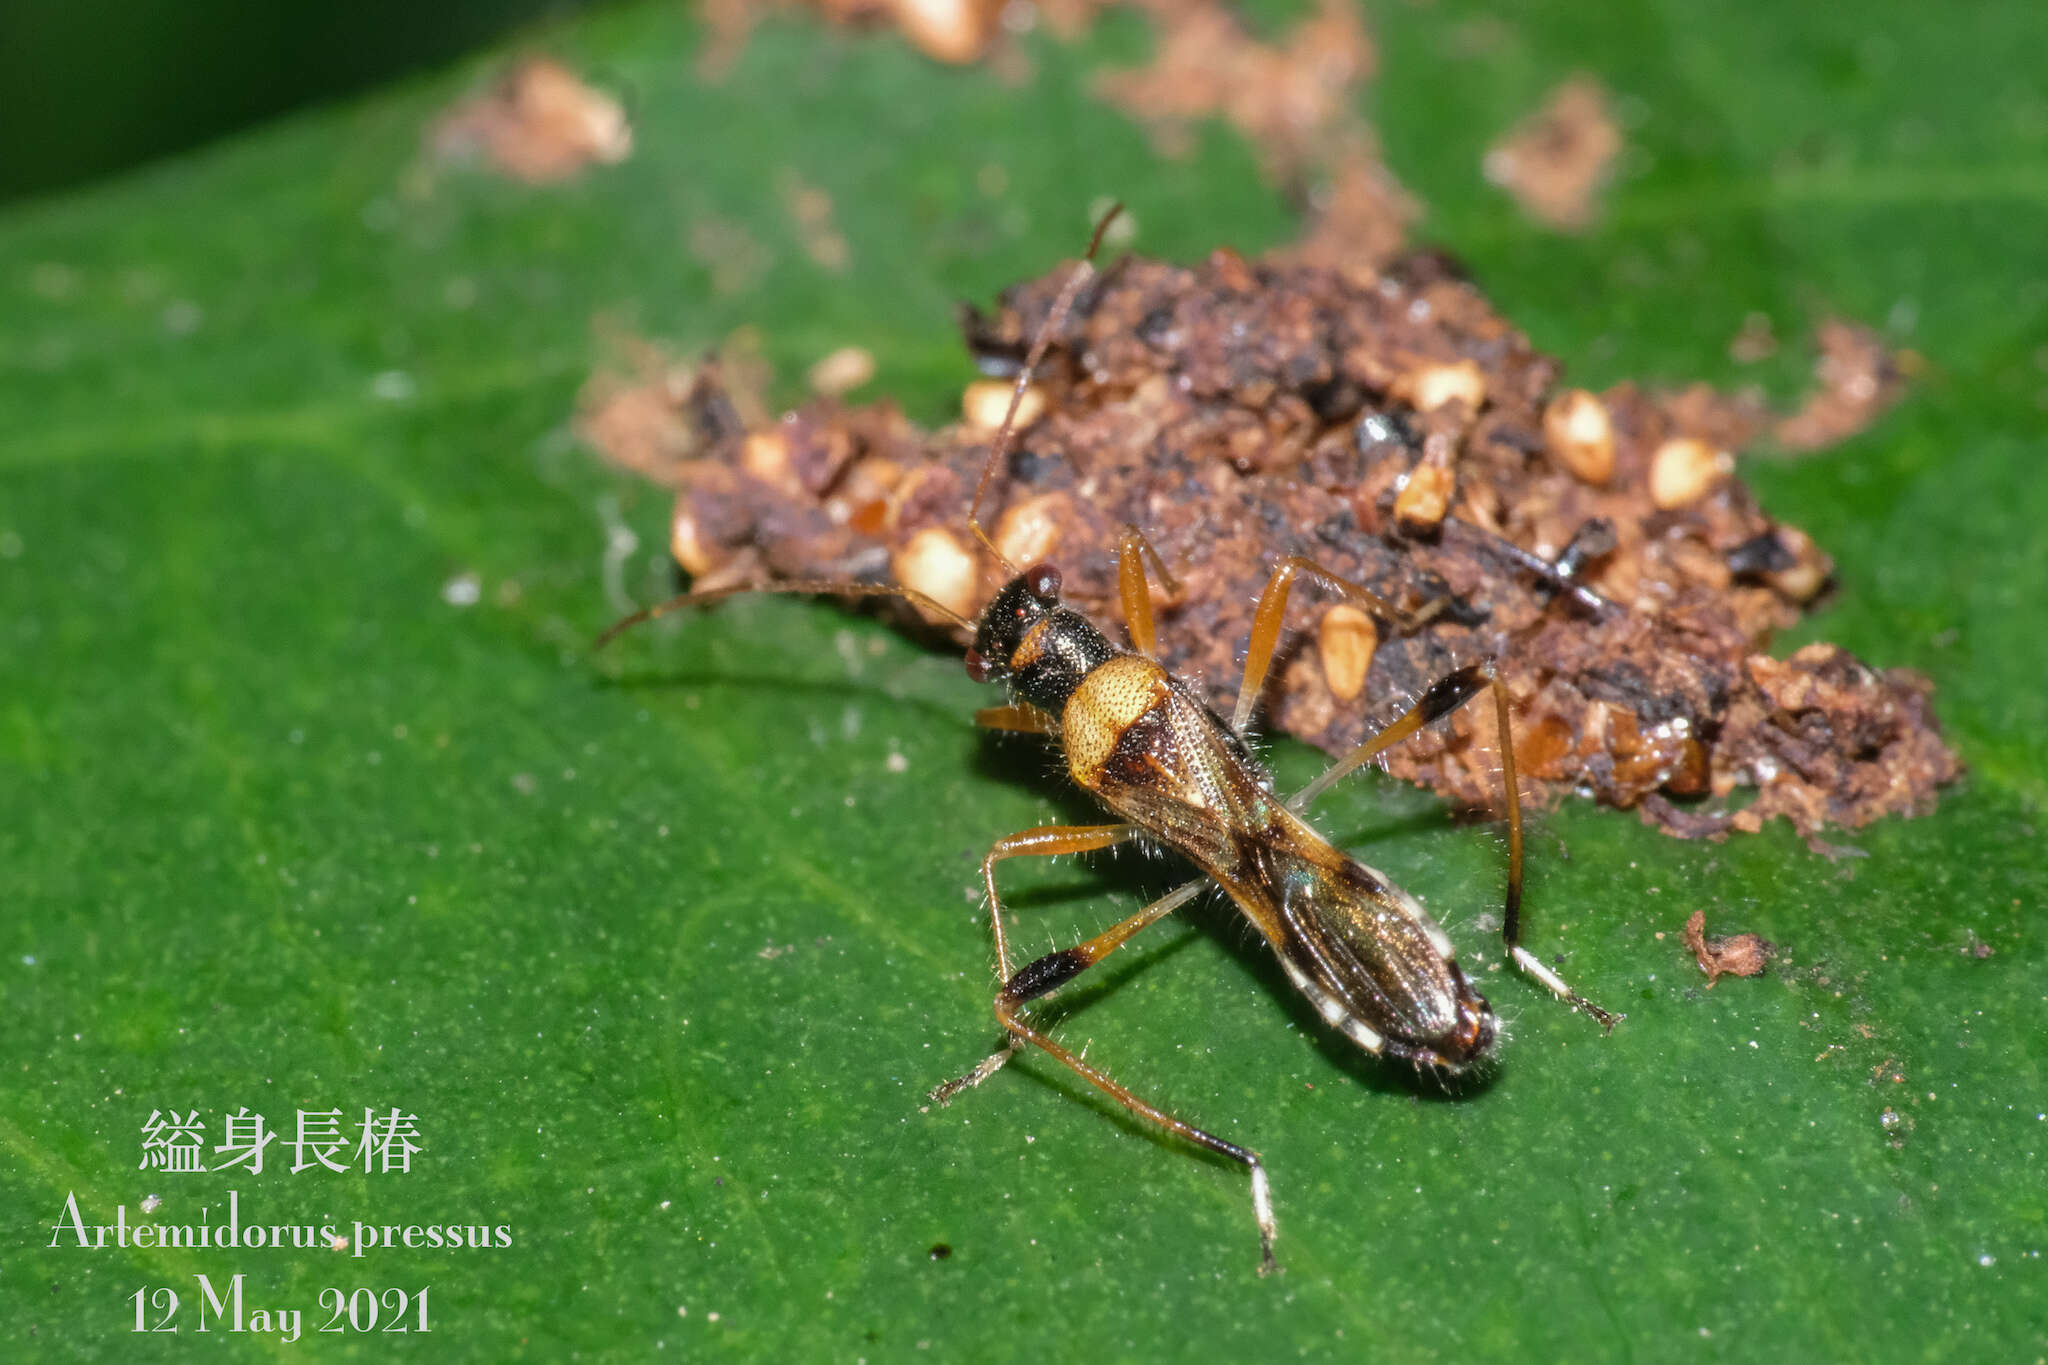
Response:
column 1144, row 744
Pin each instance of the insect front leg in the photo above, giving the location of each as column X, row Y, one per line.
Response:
column 1048, row 974
column 1019, row 718
column 1132, row 589
column 1443, row 697
column 1272, row 612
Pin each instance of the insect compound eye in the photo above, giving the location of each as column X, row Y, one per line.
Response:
column 978, row 669
column 1044, row 582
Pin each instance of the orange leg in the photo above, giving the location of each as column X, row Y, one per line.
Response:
column 1054, row 970
column 1272, row 612
column 1131, row 547
column 1021, row 717
column 1046, row 841
column 1443, row 697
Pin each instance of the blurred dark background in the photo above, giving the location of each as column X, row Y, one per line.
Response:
column 88, row 87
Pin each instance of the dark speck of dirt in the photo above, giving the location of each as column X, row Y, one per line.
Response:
column 941, row 1251
column 1736, row 955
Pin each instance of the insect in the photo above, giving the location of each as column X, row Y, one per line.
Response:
column 1363, row 952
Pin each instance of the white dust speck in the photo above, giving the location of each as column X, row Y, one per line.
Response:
column 896, row 762
column 152, row 1202
column 1987, row 1260
column 463, row 590
column 182, row 318
column 393, row 386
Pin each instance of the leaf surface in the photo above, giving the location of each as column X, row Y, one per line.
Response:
column 665, row 949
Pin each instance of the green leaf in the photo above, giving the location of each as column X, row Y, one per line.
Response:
column 665, row 949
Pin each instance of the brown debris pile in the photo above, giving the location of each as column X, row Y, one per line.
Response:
column 1557, row 160
column 653, row 416
column 1285, row 97
column 1736, row 955
column 1295, row 99
column 1398, row 431
column 540, row 124
column 1858, row 378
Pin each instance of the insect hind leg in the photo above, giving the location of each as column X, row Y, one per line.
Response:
column 1444, row 696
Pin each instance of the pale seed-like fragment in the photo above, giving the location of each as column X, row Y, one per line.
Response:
column 1423, row 500
column 1346, row 639
column 686, row 541
column 1580, row 435
column 936, row 564
column 1029, row 533
column 844, row 370
column 984, row 402
column 765, row 455
column 1684, row 469
column 1809, row 571
column 955, row 31
column 1433, row 386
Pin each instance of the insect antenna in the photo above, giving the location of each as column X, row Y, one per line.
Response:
column 999, row 449
column 822, row 587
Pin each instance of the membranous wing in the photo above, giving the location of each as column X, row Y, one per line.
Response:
column 1366, row 955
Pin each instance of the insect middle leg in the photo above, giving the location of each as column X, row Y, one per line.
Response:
column 1054, row 970
column 1046, row 841
column 1443, row 697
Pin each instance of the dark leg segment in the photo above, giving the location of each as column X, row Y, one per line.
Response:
column 1047, row 841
